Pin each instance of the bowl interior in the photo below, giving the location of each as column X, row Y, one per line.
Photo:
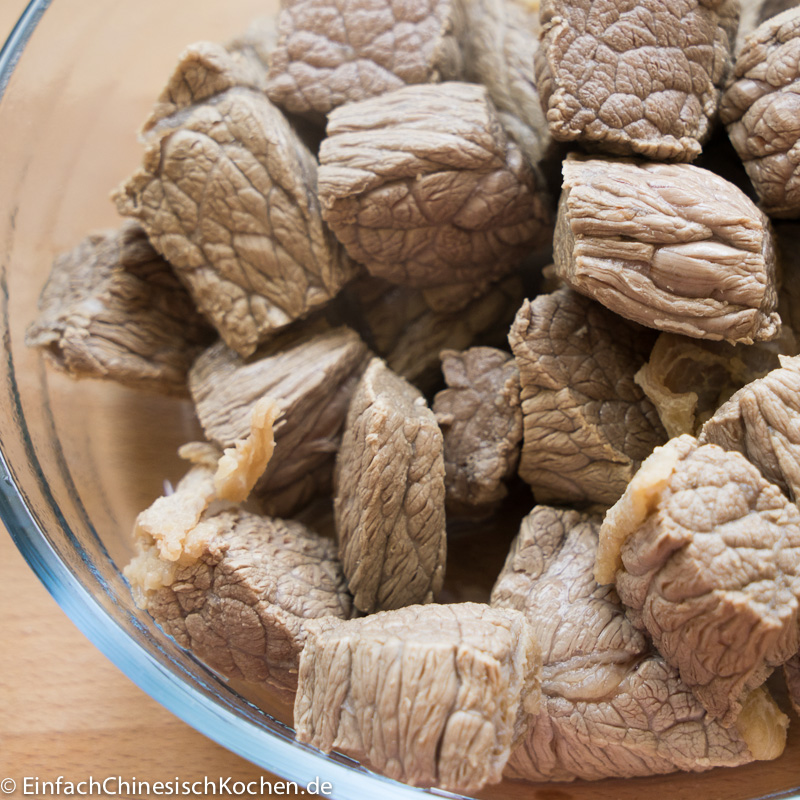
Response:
column 83, row 458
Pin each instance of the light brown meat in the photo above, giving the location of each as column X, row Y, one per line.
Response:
column 481, row 422
column 205, row 69
column 401, row 326
column 431, row 695
column 329, row 54
column 238, row 602
column 754, row 12
column 311, row 372
column 611, row 705
column 423, row 186
column 389, row 494
column 499, row 40
column 762, row 421
column 587, row 425
column 113, row 308
column 705, row 554
column 689, row 379
column 635, row 78
column 670, row 246
column 761, row 110
column 227, row 194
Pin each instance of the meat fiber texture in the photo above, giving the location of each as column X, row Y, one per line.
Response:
column 761, row 110
column 227, row 194
column 587, row 425
column 754, row 12
column 311, row 371
column 329, row 54
column 689, row 379
column 423, row 186
column 389, row 495
column 705, row 553
column 762, row 421
column 481, row 422
column 499, row 38
column 638, row 78
column 401, row 327
column 670, row 246
column 611, row 706
column 238, row 602
column 433, row 695
column 113, row 308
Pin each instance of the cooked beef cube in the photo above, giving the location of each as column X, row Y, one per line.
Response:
column 237, row 590
column 227, row 194
column 311, row 373
column 635, row 78
column 791, row 670
column 611, row 706
column 671, row 246
column 481, row 422
column 401, row 326
column 389, row 494
column 329, row 54
column 113, row 308
column 499, row 40
column 689, row 379
column 206, row 69
column 761, row 109
column 706, row 555
column 424, row 187
column 587, row 425
column 754, row 12
column 433, row 695
column 762, row 421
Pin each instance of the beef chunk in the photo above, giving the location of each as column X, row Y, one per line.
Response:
column 587, row 425
column 671, row 246
column 206, row 69
column 500, row 37
column 611, row 705
column 311, row 372
column 762, row 421
column 791, row 670
column 689, row 379
column 481, row 422
column 329, row 54
column 389, row 494
column 401, row 326
column 430, row 695
column 761, row 109
column 423, row 186
column 754, row 12
column 113, row 308
column 227, row 194
column 238, row 595
column 706, row 555
column 635, row 78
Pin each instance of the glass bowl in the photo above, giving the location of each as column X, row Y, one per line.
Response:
column 81, row 459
